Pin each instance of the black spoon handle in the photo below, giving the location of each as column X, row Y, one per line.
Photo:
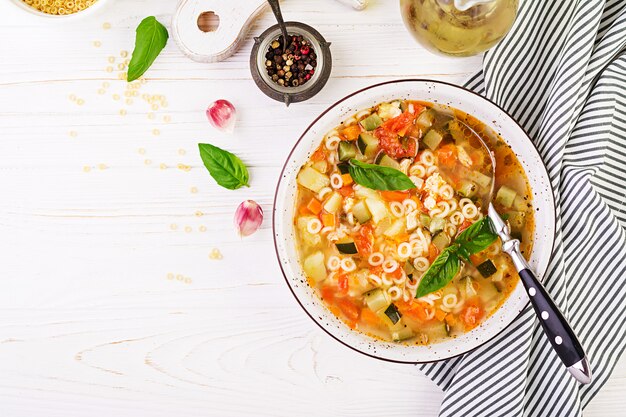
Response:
column 555, row 326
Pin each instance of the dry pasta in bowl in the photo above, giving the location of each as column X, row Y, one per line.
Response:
column 59, row 8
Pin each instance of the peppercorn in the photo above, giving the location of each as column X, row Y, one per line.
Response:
column 291, row 64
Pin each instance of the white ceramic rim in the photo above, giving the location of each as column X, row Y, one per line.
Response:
column 51, row 17
column 436, row 92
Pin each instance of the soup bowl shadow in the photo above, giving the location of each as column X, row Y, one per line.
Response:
column 441, row 93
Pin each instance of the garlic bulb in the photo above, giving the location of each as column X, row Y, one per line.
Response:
column 222, row 115
column 248, row 218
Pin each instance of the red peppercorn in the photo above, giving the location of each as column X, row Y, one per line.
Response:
column 307, row 77
column 312, row 72
column 305, row 50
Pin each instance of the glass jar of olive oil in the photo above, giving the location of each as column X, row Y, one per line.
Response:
column 458, row 27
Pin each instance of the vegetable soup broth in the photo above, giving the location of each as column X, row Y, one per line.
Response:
column 364, row 251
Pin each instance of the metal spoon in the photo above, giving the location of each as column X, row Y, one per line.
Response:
column 555, row 326
column 279, row 18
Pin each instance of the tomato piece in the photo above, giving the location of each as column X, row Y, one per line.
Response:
column 447, row 155
column 471, row 315
column 399, row 124
column 390, row 143
column 342, row 283
column 465, row 225
column 413, row 308
column 364, row 240
column 328, row 294
column 395, row 274
column 348, row 308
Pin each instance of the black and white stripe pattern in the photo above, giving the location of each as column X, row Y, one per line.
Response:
column 561, row 73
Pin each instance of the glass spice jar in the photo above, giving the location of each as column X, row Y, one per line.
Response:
column 458, row 27
column 315, row 72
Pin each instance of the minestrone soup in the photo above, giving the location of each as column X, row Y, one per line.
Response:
column 365, row 251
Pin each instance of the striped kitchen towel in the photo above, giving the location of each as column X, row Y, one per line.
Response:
column 561, row 72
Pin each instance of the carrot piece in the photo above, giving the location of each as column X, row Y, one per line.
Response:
column 303, row 210
column 318, row 155
column 348, row 308
column 440, row 315
column 351, row 132
column 346, row 190
column 347, row 179
column 328, row 219
column 370, row 317
column 314, row 206
column 399, row 196
column 433, row 252
column 475, row 259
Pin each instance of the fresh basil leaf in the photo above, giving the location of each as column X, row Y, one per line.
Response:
column 478, row 237
column 377, row 177
column 441, row 272
column 151, row 37
column 225, row 168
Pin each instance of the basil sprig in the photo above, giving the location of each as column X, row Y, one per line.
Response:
column 151, row 37
column 478, row 237
column 378, row 177
column 225, row 168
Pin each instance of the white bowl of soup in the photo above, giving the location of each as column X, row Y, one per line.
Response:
column 353, row 256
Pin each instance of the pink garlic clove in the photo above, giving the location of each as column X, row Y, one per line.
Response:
column 248, row 218
column 222, row 115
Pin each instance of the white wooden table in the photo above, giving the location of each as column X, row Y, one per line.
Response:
column 110, row 304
